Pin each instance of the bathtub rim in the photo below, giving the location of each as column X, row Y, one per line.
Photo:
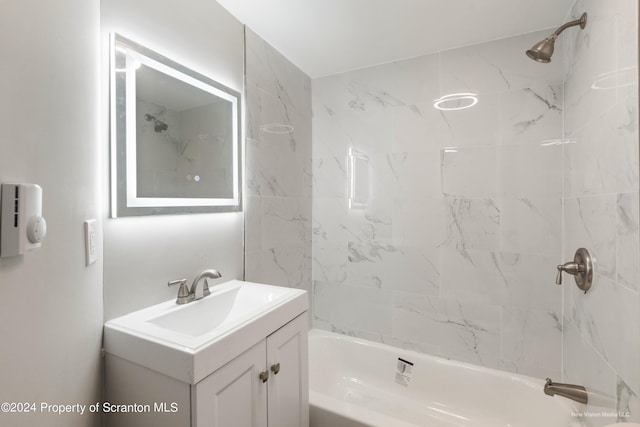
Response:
column 330, row 403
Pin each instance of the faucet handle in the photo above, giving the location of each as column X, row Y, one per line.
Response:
column 184, row 296
column 581, row 268
column 559, row 278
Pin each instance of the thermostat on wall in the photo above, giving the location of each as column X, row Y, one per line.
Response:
column 22, row 227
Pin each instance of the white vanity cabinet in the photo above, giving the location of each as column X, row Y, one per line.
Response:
column 266, row 386
column 237, row 394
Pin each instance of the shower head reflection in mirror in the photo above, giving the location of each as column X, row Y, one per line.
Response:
column 159, row 125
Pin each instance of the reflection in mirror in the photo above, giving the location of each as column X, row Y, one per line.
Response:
column 175, row 137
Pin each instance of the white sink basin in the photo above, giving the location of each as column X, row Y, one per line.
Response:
column 224, row 307
column 190, row 341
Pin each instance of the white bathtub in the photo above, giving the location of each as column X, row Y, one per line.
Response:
column 356, row 383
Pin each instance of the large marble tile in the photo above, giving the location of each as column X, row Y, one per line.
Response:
column 402, row 83
column 422, row 347
column 518, row 280
column 531, row 170
column 271, row 71
column 531, row 114
column 334, row 222
column 420, row 129
column 626, row 16
column 532, row 342
column 627, row 403
column 626, row 76
column 274, row 170
column 470, row 172
column 365, row 132
column 583, row 365
column 329, row 261
column 329, row 139
column 419, row 221
column 281, row 266
column 604, row 157
column 330, row 220
column 593, row 54
column 336, row 304
column 271, row 170
column 252, row 112
column 330, row 177
column 407, row 268
column 478, row 125
column 278, row 169
column 464, row 331
column 284, row 125
column 498, row 66
column 590, row 222
column 607, row 318
column 330, row 95
column 472, row 276
column 371, row 223
column 406, row 175
column 286, row 221
column 472, row 224
column 628, row 240
column 532, row 226
column 531, row 281
column 252, row 223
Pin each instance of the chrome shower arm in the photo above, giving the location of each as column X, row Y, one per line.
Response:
column 582, row 22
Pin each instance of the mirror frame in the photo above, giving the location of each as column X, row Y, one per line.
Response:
column 123, row 182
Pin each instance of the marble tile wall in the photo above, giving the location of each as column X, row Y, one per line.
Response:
column 469, row 211
column 455, row 252
column 278, row 168
column 602, row 328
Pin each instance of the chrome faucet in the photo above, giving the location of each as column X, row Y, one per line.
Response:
column 186, row 295
column 570, row 391
column 211, row 274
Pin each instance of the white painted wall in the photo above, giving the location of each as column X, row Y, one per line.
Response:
column 50, row 302
column 143, row 254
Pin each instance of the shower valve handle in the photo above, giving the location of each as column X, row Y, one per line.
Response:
column 569, row 267
column 581, row 268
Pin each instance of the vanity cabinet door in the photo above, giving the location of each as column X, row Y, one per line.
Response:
column 287, row 361
column 234, row 395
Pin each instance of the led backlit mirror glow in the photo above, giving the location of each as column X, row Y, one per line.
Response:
column 175, row 137
column 456, row 101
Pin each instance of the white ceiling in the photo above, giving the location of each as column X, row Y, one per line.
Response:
column 325, row 37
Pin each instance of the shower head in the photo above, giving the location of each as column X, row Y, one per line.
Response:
column 159, row 125
column 543, row 50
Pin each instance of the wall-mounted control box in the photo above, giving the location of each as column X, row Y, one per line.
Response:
column 22, row 227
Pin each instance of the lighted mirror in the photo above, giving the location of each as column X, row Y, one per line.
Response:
column 175, row 137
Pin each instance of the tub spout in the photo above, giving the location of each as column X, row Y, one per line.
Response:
column 570, row 391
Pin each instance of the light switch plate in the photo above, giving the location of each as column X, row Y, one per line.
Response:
column 90, row 241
